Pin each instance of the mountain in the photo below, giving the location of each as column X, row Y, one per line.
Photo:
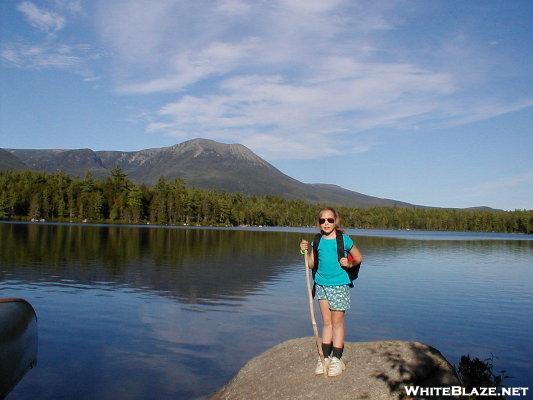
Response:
column 73, row 162
column 338, row 195
column 482, row 208
column 9, row 162
column 201, row 163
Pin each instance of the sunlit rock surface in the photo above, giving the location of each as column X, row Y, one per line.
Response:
column 374, row 370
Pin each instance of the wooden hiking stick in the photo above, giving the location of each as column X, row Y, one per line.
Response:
column 312, row 312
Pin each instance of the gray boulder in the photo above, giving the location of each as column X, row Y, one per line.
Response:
column 374, row 370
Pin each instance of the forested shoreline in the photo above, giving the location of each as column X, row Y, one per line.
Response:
column 26, row 195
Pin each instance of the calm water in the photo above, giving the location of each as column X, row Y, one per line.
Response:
column 137, row 312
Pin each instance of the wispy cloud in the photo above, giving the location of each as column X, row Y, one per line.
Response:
column 460, row 114
column 69, row 6
column 40, row 18
column 494, row 186
column 266, row 73
column 49, row 50
column 285, row 72
column 50, row 55
column 330, row 101
column 233, row 7
column 516, row 191
column 41, row 56
column 216, row 59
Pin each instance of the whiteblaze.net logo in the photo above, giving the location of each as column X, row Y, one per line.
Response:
column 443, row 391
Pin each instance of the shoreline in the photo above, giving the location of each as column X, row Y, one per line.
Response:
column 401, row 234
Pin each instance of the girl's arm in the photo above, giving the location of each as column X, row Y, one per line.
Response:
column 357, row 256
column 304, row 245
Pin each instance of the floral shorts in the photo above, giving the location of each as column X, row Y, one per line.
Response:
column 338, row 296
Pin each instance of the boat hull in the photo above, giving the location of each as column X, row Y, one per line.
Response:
column 18, row 342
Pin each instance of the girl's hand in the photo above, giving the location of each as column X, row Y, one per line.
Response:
column 304, row 245
column 345, row 263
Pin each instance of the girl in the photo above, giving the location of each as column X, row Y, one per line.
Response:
column 332, row 287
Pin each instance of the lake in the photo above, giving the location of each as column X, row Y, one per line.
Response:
column 142, row 312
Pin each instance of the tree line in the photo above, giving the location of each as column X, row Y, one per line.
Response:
column 26, row 195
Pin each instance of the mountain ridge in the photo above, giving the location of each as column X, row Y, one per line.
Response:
column 202, row 163
column 8, row 161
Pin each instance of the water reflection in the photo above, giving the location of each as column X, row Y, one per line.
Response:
column 174, row 313
column 194, row 265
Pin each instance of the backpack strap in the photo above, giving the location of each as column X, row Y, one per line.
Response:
column 340, row 246
column 352, row 272
column 316, row 241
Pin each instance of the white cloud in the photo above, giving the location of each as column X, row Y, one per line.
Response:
column 51, row 51
column 50, row 56
column 497, row 185
column 288, row 71
column 460, row 114
column 515, row 190
column 39, row 18
column 310, row 6
column 41, row 56
column 193, row 66
column 70, row 6
column 143, row 32
column 233, row 7
column 250, row 108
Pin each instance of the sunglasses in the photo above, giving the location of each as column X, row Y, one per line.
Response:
column 323, row 220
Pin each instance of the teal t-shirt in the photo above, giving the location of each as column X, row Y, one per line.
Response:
column 330, row 272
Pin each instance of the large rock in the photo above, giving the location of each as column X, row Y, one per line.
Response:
column 374, row 370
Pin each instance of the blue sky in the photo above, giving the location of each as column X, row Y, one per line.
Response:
column 425, row 102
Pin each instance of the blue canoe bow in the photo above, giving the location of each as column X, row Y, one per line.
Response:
column 18, row 342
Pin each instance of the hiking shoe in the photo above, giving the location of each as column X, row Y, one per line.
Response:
column 319, row 370
column 336, row 366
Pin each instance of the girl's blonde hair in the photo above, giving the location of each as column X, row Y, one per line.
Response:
column 338, row 226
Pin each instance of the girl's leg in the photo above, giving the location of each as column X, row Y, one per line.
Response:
column 336, row 366
column 327, row 329
column 337, row 325
column 327, row 334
